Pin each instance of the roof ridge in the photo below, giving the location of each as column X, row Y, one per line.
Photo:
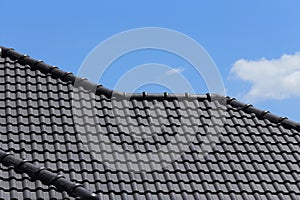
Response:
column 86, row 84
column 46, row 177
column 24, row 59
column 262, row 114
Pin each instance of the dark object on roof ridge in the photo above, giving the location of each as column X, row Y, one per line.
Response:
column 86, row 84
column 46, row 177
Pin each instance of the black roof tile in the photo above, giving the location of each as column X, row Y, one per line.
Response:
column 255, row 155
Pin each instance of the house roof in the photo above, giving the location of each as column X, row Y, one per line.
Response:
column 91, row 142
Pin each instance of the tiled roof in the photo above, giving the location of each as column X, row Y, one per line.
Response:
column 254, row 154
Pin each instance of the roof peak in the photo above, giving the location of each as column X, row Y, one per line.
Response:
column 24, row 59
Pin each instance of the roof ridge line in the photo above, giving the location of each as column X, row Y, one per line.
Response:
column 99, row 89
column 46, row 177
column 263, row 114
column 24, row 59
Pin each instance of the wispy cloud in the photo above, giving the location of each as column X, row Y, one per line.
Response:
column 175, row 71
column 270, row 79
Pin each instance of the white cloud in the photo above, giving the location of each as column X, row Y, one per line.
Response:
column 175, row 71
column 270, row 79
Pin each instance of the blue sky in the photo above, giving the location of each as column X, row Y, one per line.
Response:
column 63, row 33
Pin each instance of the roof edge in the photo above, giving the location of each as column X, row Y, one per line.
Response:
column 99, row 89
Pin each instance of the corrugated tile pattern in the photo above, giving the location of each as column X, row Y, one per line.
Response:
column 253, row 158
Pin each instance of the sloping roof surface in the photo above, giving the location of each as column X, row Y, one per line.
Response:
column 254, row 154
